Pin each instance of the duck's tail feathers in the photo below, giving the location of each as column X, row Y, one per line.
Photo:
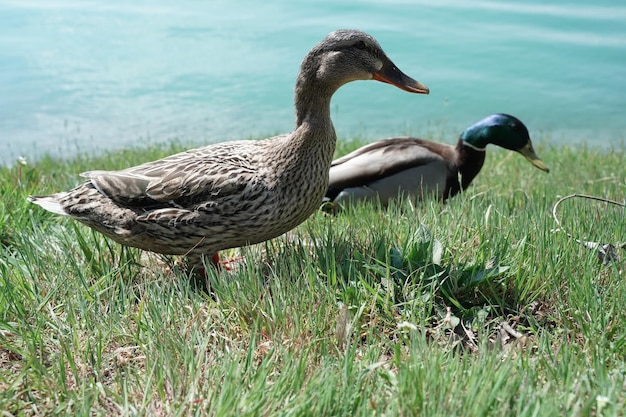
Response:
column 48, row 202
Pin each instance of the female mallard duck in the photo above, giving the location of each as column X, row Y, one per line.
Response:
column 232, row 194
column 414, row 167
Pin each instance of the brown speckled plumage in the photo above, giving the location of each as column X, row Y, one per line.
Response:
column 233, row 194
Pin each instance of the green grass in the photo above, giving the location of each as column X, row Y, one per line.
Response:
column 476, row 307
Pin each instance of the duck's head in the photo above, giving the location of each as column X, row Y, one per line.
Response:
column 506, row 131
column 349, row 55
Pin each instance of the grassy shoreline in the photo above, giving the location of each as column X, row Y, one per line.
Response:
column 475, row 307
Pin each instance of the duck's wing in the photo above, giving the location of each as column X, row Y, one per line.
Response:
column 181, row 179
column 382, row 159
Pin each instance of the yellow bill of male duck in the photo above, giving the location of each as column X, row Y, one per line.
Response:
column 411, row 167
column 236, row 193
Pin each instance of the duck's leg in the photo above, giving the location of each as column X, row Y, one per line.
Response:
column 215, row 260
column 219, row 264
column 197, row 265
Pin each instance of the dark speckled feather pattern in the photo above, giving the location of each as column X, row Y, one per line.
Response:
column 233, row 194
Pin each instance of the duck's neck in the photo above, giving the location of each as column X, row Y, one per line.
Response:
column 303, row 161
column 314, row 136
column 312, row 102
column 470, row 160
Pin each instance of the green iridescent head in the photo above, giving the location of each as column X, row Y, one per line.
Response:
column 506, row 131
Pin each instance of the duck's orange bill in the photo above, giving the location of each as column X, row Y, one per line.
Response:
column 391, row 74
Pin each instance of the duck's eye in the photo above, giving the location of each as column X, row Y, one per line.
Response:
column 360, row 45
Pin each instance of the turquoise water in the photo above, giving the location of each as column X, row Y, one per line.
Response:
column 87, row 75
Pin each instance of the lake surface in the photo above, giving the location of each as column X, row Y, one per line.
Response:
column 85, row 76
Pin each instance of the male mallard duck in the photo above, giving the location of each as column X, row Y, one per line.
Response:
column 413, row 167
column 233, row 194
